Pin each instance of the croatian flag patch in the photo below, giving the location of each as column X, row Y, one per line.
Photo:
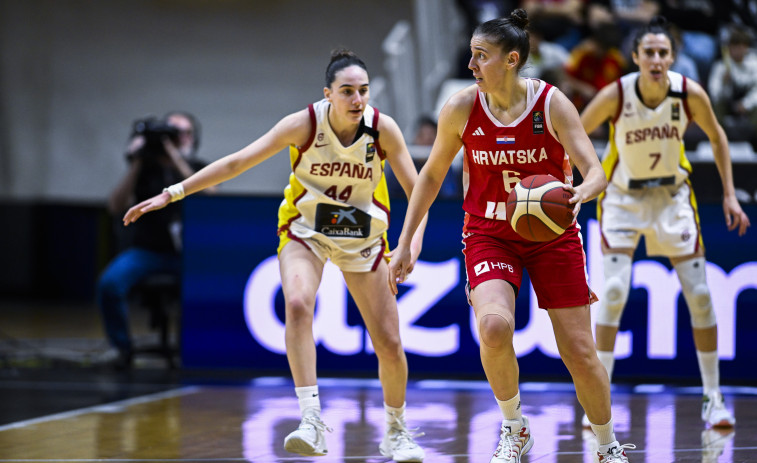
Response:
column 505, row 140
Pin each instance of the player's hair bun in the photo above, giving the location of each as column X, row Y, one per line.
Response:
column 659, row 21
column 519, row 18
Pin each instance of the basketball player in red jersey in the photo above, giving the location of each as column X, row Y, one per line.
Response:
column 510, row 128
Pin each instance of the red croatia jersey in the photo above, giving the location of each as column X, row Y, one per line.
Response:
column 498, row 156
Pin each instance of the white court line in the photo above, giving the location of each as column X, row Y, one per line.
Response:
column 107, row 408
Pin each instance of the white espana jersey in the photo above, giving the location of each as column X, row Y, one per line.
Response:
column 336, row 192
column 646, row 144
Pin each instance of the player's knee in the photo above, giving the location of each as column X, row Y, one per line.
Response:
column 495, row 330
column 691, row 274
column 299, row 309
column 389, row 349
column 700, row 307
column 617, row 270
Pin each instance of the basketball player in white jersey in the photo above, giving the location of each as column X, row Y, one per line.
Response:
column 510, row 128
column 336, row 207
column 649, row 194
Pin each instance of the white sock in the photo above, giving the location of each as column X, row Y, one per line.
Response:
column 604, row 432
column 393, row 414
column 709, row 370
column 511, row 408
column 608, row 361
column 308, row 399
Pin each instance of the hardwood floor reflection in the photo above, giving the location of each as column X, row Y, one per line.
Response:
column 460, row 421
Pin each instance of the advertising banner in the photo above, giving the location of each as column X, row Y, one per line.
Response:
column 233, row 307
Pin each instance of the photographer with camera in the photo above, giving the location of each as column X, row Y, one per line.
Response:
column 159, row 152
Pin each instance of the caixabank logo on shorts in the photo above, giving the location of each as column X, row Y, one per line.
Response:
column 342, row 221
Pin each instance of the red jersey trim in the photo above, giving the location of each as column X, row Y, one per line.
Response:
column 374, row 124
column 303, row 148
column 686, row 100
column 619, row 110
column 380, row 256
column 383, row 208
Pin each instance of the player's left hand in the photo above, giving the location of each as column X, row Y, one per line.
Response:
column 156, row 202
column 400, row 266
column 735, row 217
column 577, row 199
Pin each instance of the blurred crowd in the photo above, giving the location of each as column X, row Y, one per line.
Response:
column 582, row 45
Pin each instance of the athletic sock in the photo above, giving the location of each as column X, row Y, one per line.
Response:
column 708, row 369
column 511, row 408
column 308, row 399
column 392, row 414
column 604, row 432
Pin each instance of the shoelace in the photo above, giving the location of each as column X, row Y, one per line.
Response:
column 316, row 423
column 403, row 435
column 512, row 447
column 618, row 451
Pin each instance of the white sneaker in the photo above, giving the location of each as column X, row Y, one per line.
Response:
column 514, row 442
column 308, row 439
column 614, row 452
column 714, row 412
column 399, row 445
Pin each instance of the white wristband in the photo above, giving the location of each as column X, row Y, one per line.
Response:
column 176, row 191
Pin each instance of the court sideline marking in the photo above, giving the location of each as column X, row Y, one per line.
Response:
column 107, row 408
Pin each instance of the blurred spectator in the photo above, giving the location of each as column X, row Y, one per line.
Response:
column 742, row 12
column 733, row 85
column 594, row 63
column 627, row 15
column 546, row 60
column 684, row 64
column 563, row 20
column 420, row 148
column 475, row 13
column 160, row 152
column 425, row 132
column 699, row 21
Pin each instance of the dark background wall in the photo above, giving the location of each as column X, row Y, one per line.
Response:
column 74, row 74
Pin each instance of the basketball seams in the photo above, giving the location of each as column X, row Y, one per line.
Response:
column 532, row 209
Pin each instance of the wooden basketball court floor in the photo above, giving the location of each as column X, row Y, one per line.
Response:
column 111, row 419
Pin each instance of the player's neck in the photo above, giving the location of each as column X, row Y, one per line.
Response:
column 508, row 103
column 344, row 130
column 653, row 92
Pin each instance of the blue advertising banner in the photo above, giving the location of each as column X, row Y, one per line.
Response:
column 233, row 308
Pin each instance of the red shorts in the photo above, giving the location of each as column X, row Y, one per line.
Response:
column 557, row 268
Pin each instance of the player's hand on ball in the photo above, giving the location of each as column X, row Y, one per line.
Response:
column 577, row 199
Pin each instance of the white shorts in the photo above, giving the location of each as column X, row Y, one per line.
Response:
column 362, row 261
column 666, row 216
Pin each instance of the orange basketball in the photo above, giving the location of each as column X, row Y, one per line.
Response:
column 538, row 208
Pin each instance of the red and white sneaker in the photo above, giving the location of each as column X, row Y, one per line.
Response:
column 514, row 441
column 614, row 452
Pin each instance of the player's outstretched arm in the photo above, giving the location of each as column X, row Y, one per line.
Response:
column 291, row 130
